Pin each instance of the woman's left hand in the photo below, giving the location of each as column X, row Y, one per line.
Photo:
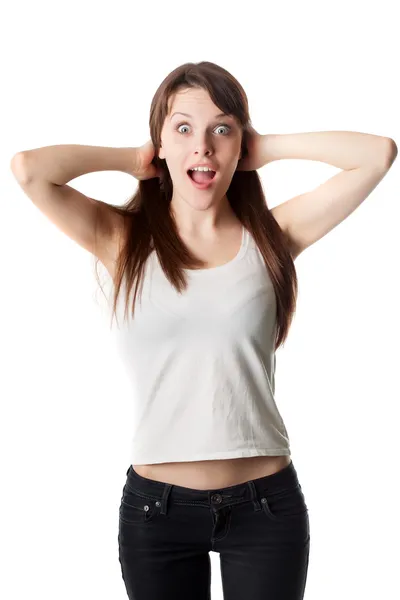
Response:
column 256, row 152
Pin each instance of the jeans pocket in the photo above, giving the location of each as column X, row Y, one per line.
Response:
column 135, row 508
column 286, row 504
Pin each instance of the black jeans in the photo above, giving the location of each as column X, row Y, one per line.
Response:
column 259, row 528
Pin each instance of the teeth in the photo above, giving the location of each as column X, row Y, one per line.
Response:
column 200, row 169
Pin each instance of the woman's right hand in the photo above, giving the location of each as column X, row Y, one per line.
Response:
column 142, row 167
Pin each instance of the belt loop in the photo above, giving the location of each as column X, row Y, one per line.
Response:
column 253, row 494
column 164, row 499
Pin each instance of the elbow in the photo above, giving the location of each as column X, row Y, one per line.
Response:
column 19, row 167
column 390, row 152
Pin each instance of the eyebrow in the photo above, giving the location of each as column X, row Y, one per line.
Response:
column 191, row 116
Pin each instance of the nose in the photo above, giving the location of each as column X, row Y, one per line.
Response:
column 203, row 145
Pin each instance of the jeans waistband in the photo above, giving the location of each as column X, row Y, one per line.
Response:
column 284, row 479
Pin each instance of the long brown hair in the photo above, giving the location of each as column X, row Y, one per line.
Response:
column 149, row 224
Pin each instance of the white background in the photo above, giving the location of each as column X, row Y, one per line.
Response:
column 85, row 72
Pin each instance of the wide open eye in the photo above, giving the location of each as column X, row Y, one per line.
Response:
column 221, row 125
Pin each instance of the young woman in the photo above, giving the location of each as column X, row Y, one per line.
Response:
column 211, row 466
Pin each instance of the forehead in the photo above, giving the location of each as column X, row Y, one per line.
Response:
column 193, row 103
column 193, row 116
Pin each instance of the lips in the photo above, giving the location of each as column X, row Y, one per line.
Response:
column 205, row 185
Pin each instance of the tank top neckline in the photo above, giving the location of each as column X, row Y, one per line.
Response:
column 227, row 265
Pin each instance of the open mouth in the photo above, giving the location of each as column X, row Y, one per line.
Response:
column 202, row 180
column 201, row 176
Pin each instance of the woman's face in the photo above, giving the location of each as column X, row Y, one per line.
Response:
column 202, row 137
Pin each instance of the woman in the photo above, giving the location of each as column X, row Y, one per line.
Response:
column 211, row 466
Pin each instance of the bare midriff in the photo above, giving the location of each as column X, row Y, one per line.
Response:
column 213, row 474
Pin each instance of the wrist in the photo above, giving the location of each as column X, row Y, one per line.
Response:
column 128, row 160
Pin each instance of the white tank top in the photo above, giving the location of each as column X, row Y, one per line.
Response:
column 202, row 364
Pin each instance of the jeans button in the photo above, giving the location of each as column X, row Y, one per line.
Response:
column 216, row 498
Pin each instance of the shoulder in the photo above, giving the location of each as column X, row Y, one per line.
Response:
column 279, row 215
column 113, row 242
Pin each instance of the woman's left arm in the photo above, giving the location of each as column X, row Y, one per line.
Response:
column 343, row 149
column 306, row 218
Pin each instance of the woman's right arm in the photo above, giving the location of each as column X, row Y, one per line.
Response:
column 64, row 162
column 91, row 223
